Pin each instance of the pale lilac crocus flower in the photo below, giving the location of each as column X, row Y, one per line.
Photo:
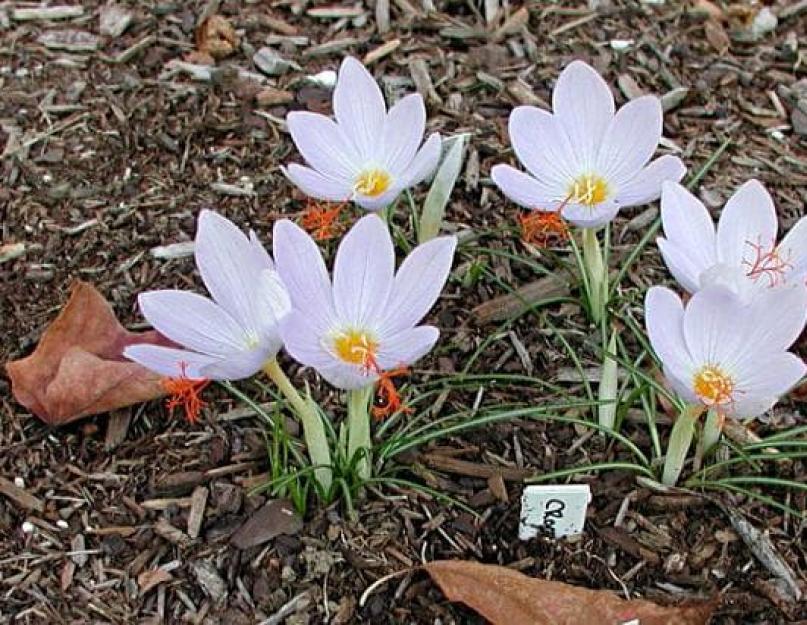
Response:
column 368, row 154
column 234, row 334
column 744, row 241
column 584, row 159
column 365, row 322
column 724, row 353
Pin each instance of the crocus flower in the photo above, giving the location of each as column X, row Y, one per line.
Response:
column 363, row 323
column 230, row 336
column 368, row 155
column 744, row 240
column 724, row 354
column 583, row 159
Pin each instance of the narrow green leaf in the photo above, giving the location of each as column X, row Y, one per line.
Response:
column 434, row 207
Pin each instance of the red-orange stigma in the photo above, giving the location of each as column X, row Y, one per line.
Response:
column 320, row 219
column 542, row 228
column 387, row 401
column 769, row 263
column 184, row 391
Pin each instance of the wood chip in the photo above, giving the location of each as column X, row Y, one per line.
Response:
column 172, row 534
column 274, row 518
column 381, row 51
column 69, row 40
column 61, row 12
column 117, row 428
column 197, row 512
column 151, row 578
column 209, row 580
column 475, row 469
column 506, row 306
column 20, row 496
column 182, row 249
column 419, row 70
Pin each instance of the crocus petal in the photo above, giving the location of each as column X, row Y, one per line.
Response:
column 424, row 163
column 680, row 264
column 378, row 202
column 763, row 379
column 262, row 257
column 406, row 347
column 710, row 326
column 315, row 185
column 363, row 272
column 664, row 317
column 775, row 319
column 303, row 271
column 271, row 304
column 645, row 186
column 228, row 265
column 304, row 342
column 585, row 216
column 403, row 132
column 543, row 146
column 793, row 249
column 323, row 145
column 731, row 278
column 418, row 284
column 192, row 321
column 630, row 140
column 523, row 189
column 347, row 377
column 170, row 362
column 583, row 103
column 748, row 219
column 358, row 105
column 238, row 366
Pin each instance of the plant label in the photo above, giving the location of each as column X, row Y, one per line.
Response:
column 553, row 511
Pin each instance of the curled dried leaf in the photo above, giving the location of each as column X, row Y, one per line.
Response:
column 504, row 597
column 78, row 368
column 216, row 36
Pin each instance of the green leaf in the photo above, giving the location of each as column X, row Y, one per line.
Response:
column 434, row 207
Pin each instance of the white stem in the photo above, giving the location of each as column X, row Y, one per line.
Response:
column 680, row 439
column 594, row 266
column 358, row 429
column 712, row 429
column 609, row 382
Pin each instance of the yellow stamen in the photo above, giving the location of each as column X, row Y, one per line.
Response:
column 588, row 189
column 355, row 347
column 713, row 386
column 372, row 182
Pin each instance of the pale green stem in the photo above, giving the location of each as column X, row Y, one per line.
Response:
column 712, row 429
column 313, row 429
column 594, row 266
column 358, row 428
column 609, row 382
column 680, row 439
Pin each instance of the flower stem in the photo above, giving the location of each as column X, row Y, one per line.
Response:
column 678, row 445
column 358, row 429
column 313, row 430
column 712, row 429
column 609, row 382
column 594, row 266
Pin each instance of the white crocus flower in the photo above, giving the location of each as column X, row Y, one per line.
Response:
column 744, row 242
column 585, row 158
column 368, row 154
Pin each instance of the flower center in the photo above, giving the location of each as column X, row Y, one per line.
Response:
column 771, row 263
column 588, row 189
column 372, row 182
column 713, row 386
column 355, row 347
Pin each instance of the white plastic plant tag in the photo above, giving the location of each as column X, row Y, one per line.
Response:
column 554, row 511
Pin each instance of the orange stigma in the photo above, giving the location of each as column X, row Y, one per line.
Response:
column 184, row 391
column 542, row 228
column 387, row 401
column 770, row 264
column 320, row 220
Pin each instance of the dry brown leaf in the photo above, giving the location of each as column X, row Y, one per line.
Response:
column 709, row 9
column 506, row 597
column 78, row 368
column 152, row 577
column 216, row 37
column 716, row 36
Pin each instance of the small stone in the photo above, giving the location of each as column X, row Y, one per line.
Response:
column 27, row 527
column 765, row 22
column 271, row 63
column 114, row 20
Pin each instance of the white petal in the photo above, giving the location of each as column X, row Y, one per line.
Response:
column 403, row 132
column 523, row 189
column 404, row 348
column 418, row 284
column 323, row 145
column 424, row 163
column 645, row 187
column 664, row 317
column 378, row 202
column 228, row 265
column 192, row 321
column 793, row 249
column 303, row 272
column 169, row 362
column 712, row 327
column 585, row 216
column 775, row 319
column 680, row 264
column 542, row 145
column 304, row 341
column 760, row 385
column 238, row 366
column 630, row 140
column 688, row 226
column 359, row 108
column 262, row 257
column 347, row 377
column 271, row 304
column 363, row 272
column 583, row 103
column 748, row 219
column 315, row 185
